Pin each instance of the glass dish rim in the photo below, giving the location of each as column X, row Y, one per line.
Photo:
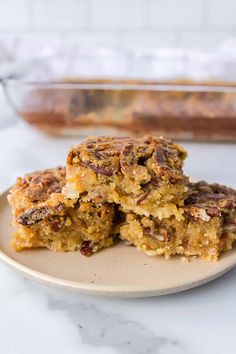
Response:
column 143, row 85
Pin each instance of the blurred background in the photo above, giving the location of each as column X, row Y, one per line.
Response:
column 129, row 23
column 72, row 68
column 180, row 56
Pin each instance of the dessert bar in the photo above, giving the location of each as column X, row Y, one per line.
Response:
column 208, row 226
column 143, row 175
column 43, row 217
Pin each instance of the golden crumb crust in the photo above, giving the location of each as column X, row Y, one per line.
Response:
column 108, row 155
column 43, row 217
column 207, row 227
column 210, row 199
column 37, row 188
column 143, row 175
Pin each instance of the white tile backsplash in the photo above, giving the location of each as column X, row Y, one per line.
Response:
column 14, row 15
column 222, row 13
column 92, row 38
column 118, row 13
column 129, row 23
column 176, row 13
column 58, row 14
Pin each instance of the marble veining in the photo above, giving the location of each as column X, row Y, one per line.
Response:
column 38, row 319
column 101, row 329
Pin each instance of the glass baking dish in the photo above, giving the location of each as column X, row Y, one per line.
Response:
column 175, row 93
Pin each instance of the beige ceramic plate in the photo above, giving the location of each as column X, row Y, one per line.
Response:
column 117, row 271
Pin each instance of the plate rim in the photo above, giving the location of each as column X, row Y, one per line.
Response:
column 106, row 290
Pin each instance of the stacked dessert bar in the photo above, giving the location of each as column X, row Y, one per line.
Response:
column 131, row 188
column 44, row 217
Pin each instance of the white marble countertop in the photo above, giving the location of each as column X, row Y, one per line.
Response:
column 39, row 319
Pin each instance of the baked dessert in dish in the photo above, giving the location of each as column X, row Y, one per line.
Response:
column 183, row 109
column 43, row 217
column 144, row 175
column 207, row 228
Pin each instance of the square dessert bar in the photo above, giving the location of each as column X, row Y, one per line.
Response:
column 144, row 175
column 43, row 217
column 208, row 226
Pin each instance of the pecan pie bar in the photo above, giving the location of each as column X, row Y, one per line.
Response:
column 144, row 175
column 208, row 226
column 43, row 217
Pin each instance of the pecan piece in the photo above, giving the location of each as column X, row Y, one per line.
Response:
column 161, row 155
column 213, row 210
column 142, row 198
column 161, row 236
column 99, row 169
column 165, row 159
column 36, row 215
column 154, row 181
column 33, row 216
column 230, row 228
column 41, row 186
column 134, row 155
column 128, row 157
column 97, row 154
